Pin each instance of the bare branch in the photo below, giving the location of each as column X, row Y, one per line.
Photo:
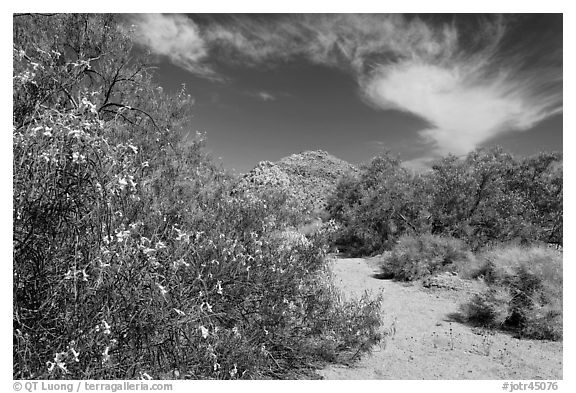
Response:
column 103, row 107
column 31, row 14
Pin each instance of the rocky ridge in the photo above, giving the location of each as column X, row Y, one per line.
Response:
column 309, row 177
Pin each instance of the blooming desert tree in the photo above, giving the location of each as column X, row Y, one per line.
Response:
column 131, row 256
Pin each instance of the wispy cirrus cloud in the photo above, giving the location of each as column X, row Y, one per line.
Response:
column 468, row 97
column 262, row 95
column 463, row 109
column 469, row 86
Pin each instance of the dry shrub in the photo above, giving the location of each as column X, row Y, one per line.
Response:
column 416, row 257
column 525, row 291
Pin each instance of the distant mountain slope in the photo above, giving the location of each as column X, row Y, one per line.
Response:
column 309, row 177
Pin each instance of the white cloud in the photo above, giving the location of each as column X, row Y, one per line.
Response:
column 466, row 94
column 262, row 95
column 173, row 36
column 464, row 108
column 462, row 113
column 466, row 89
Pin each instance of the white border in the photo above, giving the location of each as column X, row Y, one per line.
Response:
column 306, row 6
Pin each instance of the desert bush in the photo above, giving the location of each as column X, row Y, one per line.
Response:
column 489, row 308
column 416, row 257
column 469, row 198
column 485, row 198
column 490, row 197
column 538, row 181
column 377, row 206
column 524, row 294
column 131, row 258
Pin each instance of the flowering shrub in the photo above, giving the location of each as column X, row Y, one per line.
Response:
column 133, row 260
column 111, row 281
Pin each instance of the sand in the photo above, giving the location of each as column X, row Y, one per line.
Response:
column 428, row 342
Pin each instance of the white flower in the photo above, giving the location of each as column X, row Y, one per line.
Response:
column 89, row 105
column 76, row 134
column 204, row 331
column 75, row 354
column 148, row 250
column 132, row 182
column 58, row 362
column 163, row 290
column 26, row 76
column 105, row 355
column 182, row 235
column 106, row 327
column 122, row 235
column 182, row 262
column 234, row 371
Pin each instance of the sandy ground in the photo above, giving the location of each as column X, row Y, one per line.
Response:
column 429, row 344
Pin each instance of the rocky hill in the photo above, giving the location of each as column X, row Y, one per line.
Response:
column 309, row 177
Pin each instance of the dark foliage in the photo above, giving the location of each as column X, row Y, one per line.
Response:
column 486, row 198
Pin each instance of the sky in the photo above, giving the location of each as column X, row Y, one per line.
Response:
column 421, row 86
